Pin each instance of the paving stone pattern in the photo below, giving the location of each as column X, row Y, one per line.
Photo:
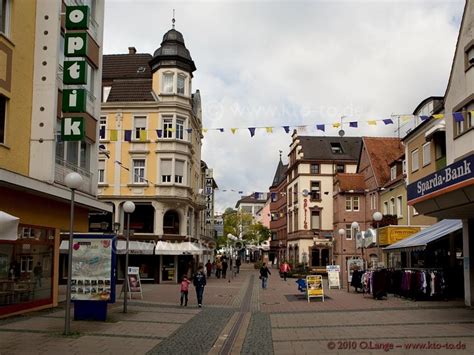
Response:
column 259, row 335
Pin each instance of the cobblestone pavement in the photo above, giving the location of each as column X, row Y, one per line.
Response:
column 239, row 317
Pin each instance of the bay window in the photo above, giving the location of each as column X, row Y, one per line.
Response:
column 168, row 83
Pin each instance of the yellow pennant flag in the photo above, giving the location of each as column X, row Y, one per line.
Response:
column 142, row 135
column 336, row 125
column 269, row 129
column 204, row 130
column 372, row 122
column 113, row 135
column 406, row 118
column 438, row 116
column 233, row 130
column 171, row 129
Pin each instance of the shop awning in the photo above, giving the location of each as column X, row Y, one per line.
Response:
column 8, row 226
column 421, row 239
column 167, row 248
column 134, row 247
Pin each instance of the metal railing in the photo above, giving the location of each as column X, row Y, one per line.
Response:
column 64, row 167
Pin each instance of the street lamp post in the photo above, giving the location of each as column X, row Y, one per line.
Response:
column 73, row 181
column 377, row 216
column 342, row 233
column 128, row 208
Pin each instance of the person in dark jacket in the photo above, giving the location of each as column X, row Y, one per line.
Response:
column 264, row 272
column 199, row 281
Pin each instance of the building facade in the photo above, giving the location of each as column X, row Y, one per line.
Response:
column 34, row 159
column 151, row 132
column 278, row 212
column 313, row 163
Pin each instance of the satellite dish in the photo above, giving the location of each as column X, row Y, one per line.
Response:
column 342, row 133
column 305, row 193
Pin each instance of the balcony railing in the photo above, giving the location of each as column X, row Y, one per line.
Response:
column 63, row 168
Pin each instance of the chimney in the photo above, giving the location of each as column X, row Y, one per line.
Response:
column 132, row 50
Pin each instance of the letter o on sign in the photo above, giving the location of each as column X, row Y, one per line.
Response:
column 76, row 16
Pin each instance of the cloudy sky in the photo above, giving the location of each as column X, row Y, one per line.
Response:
column 295, row 63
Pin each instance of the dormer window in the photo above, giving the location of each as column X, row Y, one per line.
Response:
column 168, row 83
column 393, row 172
column 336, row 148
column 181, row 84
column 141, row 69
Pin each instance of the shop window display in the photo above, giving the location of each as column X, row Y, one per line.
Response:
column 26, row 269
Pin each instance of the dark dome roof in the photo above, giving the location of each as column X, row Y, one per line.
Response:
column 173, row 48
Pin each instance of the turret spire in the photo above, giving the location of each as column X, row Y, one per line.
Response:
column 173, row 20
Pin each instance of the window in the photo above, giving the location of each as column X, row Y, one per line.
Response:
column 414, row 160
column 426, row 153
column 103, row 127
column 90, row 85
column 290, row 222
column 296, row 192
column 5, row 16
column 62, row 42
column 373, row 201
column 399, row 207
column 315, row 220
column 385, row 208
column 178, row 171
column 168, row 83
column 295, row 215
column 26, row 264
column 138, row 171
column 106, row 93
column 348, row 203
column 181, row 81
column 314, row 169
column 348, row 231
column 101, row 171
column 404, row 166
column 355, row 203
column 315, row 191
column 165, row 170
column 392, row 206
column 179, row 128
column 459, row 127
column 290, row 196
column 336, row 148
column 340, row 168
column 139, row 127
column 3, row 118
column 168, row 127
column 393, row 172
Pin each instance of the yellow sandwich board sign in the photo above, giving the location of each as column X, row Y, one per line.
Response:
column 314, row 286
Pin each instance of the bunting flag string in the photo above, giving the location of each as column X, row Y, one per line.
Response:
column 143, row 135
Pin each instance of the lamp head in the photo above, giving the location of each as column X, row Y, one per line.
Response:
column 129, row 207
column 355, row 225
column 73, row 180
column 377, row 216
column 342, row 232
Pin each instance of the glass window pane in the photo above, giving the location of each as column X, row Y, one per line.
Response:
column 168, row 83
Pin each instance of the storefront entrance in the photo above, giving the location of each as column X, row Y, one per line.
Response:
column 168, row 263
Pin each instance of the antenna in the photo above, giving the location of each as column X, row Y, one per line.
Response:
column 281, row 151
column 173, row 20
column 341, row 131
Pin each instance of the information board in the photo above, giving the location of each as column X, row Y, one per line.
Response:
column 314, row 286
column 333, row 275
column 92, row 268
column 134, row 283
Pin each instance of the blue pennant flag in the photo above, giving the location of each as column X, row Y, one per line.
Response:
column 252, row 131
column 287, row 129
column 102, row 131
column 458, row 116
column 388, row 121
column 424, row 118
column 320, row 127
column 159, row 133
column 353, row 124
column 189, row 130
column 241, row 192
column 221, row 129
column 128, row 135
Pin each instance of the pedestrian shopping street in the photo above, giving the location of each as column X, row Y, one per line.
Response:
column 239, row 317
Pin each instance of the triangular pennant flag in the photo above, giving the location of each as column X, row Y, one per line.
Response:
column 320, row 127
column 372, row 122
column 252, row 131
column 424, row 118
column 143, row 135
column 458, row 116
column 438, row 116
column 113, row 135
column 406, row 118
column 388, row 121
column 189, row 130
column 221, row 129
column 128, row 135
column 269, row 129
column 204, row 130
column 258, row 195
column 159, row 133
column 274, row 195
column 353, row 124
column 287, row 129
column 241, row 192
column 233, row 130
column 336, row 125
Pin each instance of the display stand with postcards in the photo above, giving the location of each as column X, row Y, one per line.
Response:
column 134, row 284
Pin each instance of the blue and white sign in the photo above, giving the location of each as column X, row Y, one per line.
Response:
column 458, row 172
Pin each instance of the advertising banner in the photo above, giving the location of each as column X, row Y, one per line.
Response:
column 333, row 275
column 314, row 286
column 93, row 268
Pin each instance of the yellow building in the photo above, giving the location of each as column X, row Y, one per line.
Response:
column 32, row 160
column 151, row 131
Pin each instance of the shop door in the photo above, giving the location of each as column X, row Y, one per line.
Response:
column 315, row 257
column 324, row 257
column 167, row 268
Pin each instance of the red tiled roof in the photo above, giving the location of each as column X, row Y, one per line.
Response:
column 126, row 66
column 348, row 182
column 137, row 90
column 382, row 151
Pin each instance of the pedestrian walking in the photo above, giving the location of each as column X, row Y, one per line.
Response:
column 208, row 268
column 218, row 268
column 224, row 268
column 184, row 290
column 264, row 272
column 238, row 262
column 199, row 282
column 285, row 269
